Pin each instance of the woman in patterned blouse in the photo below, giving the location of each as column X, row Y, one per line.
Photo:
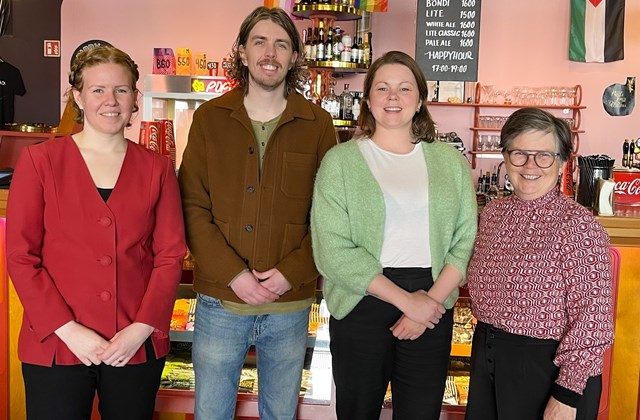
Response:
column 540, row 283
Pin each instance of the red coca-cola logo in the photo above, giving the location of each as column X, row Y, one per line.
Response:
column 153, row 137
column 628, row 187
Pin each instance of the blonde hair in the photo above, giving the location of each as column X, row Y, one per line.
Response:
column 91, row 57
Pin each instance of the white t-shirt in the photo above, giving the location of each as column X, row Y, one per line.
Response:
column 403, row 179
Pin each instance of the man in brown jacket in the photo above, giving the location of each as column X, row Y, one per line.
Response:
column 246, row 179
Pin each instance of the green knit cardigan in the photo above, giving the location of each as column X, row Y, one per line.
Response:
column 348, row 214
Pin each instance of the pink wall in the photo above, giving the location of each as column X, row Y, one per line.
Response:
column 521, row 44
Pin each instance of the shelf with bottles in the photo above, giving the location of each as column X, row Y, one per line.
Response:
column 335, row 49
column 341, row 12
column 343, row 108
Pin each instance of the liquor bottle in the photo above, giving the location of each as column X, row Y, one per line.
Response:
column 320, row 42
column 346, row 103
column 355, row 50
column 307, row 43
column 331, row 103
column 366, row 54
column 337, row 43
column 328, row 46
column 625, row 154
column 355, row 109
column 632, row 155
column 486, row 182
column 314, row 41
column 370, row 47
column 481, row 198
column 345, row 54
column 493, row 185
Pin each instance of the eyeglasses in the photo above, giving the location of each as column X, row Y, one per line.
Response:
column 542, row 159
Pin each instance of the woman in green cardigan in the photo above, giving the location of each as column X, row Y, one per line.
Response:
column 393, row 224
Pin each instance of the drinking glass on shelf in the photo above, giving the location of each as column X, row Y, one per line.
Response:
column 494, row 142
column 571, row 95
column 564, row 98
column 482, row 142
column 543, row 93
column 553, row 96
column 532, row 96
column 487, row 93
column 516, row 91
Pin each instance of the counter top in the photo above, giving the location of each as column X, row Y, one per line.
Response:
column 623, row 227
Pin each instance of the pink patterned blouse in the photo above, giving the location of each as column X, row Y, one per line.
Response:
column 542, row 268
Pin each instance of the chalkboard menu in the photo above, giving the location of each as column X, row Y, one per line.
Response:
column 447, row 37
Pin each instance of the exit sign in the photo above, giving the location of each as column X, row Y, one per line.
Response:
column 51, row 48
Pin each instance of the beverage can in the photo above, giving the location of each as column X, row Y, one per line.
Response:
column 226, row 65
column 150, row 135
column 212, row 66
column 167, row 140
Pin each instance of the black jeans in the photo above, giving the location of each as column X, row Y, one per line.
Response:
column 512, row 377
column 67, row 392
column 366, row 356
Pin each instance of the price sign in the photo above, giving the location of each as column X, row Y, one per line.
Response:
column 447, row 36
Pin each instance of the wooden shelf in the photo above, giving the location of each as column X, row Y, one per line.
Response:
column 575, row 112
column 459, row 104
column 485, row 105
column 338, row 66
column 344, row 123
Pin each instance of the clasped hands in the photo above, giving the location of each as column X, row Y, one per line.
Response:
column 420, row 312
column 255, row 287
column 92, row 349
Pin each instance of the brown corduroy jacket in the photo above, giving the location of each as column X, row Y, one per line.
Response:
column 237, row 218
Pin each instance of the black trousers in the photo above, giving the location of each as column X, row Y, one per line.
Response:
column 512, row 377
column 366, row 356
column 67, row 392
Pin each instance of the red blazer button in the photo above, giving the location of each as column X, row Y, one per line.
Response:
column 104, row 221
column 105, row 296
column 106, row 260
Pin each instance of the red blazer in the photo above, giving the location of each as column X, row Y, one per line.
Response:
column 71, row 256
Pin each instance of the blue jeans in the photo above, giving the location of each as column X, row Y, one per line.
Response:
column 220, row 344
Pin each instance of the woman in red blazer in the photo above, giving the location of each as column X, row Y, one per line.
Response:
column 95, row 245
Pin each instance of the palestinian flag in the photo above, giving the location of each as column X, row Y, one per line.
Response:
column 597, row 31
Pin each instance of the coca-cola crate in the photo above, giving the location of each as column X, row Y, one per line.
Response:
column 627, row 189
